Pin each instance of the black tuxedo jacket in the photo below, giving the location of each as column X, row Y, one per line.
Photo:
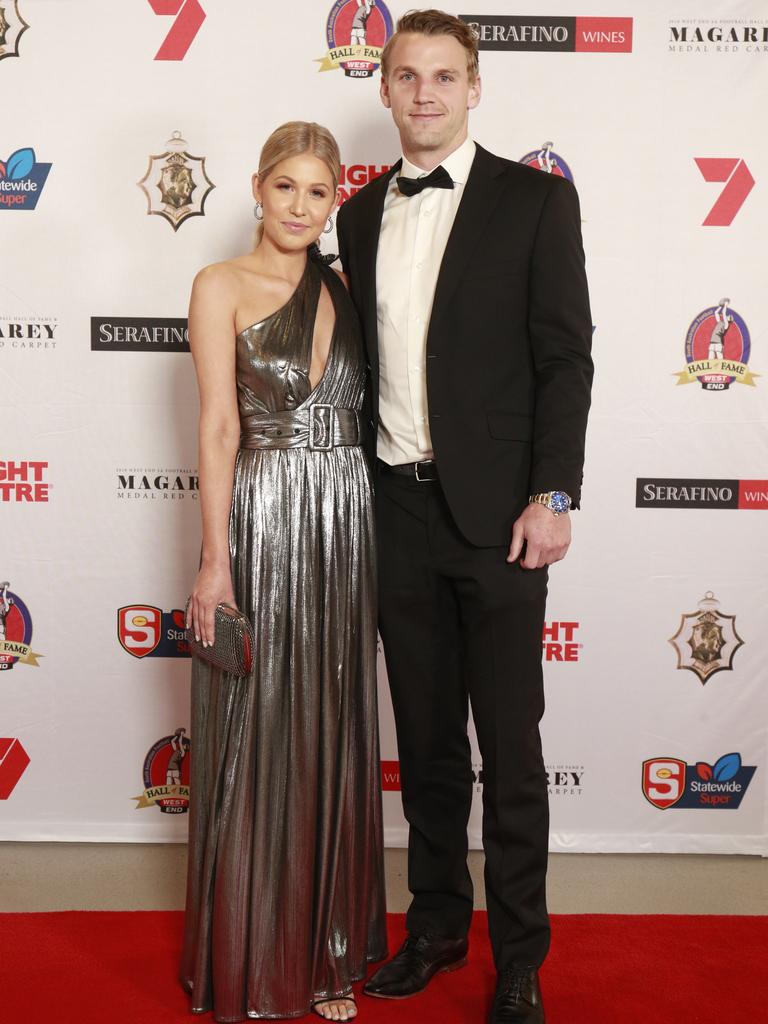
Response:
column 508, row 346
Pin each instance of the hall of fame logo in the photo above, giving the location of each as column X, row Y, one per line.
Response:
column 717, row 350
column 15, row 631
column 171, row 181
column 166, row 775
column 545, row 159
column 12, row 28
column 148, row 632
column 706, row 641
column 356, row 33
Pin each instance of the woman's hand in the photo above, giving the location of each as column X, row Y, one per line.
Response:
column 212, row 586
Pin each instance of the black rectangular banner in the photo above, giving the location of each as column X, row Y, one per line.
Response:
column 139, row 334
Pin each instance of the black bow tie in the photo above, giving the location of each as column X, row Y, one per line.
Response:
column 439, row 178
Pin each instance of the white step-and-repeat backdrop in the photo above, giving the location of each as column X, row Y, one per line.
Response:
column 128, row 136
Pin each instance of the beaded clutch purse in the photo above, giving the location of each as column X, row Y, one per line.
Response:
column 232, row 648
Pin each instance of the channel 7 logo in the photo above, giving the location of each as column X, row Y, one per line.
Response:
column 189, row 17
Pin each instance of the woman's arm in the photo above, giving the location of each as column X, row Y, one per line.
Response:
column 212, row 341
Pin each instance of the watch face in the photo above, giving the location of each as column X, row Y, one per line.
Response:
column 559, row 501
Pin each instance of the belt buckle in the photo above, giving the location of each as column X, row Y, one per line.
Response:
column 321, row 420
column 418, row 465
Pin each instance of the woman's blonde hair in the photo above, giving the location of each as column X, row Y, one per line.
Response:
column 294, row 138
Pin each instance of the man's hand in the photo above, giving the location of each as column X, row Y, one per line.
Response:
column 547, row 537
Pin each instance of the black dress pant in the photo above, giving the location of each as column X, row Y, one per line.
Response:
column 460, row 624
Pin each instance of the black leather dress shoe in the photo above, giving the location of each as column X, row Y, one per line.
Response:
column 518, row 997
column 414, row 965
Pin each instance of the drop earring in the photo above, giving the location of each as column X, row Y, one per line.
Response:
column 258, row 211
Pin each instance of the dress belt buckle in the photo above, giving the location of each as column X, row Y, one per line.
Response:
column 321, row 427
column 428, row 464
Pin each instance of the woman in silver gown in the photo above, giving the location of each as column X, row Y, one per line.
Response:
column 285, row 892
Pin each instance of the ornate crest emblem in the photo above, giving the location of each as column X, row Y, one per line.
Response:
column 176, row 184
column 12, row 28
column 545, row 159
column 706, row 640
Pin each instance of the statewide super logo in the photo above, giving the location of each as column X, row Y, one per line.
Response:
column 148, row 632
column 670, row 782
column 176, row 184
column 717, row 349
column 166, row 775
column 12, row 28
column 706, row 641
column 356, row 32
column 22, row 179
column 15, row 631
column 545, row 159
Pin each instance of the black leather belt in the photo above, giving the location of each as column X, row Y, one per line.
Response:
column 425, row 472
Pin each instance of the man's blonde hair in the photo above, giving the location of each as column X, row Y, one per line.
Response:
column 435, row 23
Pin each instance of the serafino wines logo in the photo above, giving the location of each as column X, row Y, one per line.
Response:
column 390, row 776
column 706, row 640
column 13, row 763
column 669, row 782
column 15, row 631
column 166, row 775
column 717, row 349
column 354, row 176
column 538, row 33
column 738, row 184
column 23, row 481
column 189, row 17
column 545, row 159
column 558, row 641
column 12, row 28
column 356, row 33
column 22, row 180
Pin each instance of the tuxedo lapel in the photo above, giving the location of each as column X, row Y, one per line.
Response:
column 481, row 193
column 370, row 225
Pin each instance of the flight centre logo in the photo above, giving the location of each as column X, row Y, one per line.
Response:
column 356, row 33
column 13, row 763
column 353, row 177
column 176, row 183
column 717, row 349
column 148, row 632
column 545, row 159
column 22, row 180
column 706, row 640
column 12, row 28
column 15, row 631
column 670, row 782
column 166, row 775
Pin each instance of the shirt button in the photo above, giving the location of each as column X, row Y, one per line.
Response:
column 417, row 319
column 427, row 213
column 418, row 266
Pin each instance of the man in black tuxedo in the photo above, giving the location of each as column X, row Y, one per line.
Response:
column 468, row 273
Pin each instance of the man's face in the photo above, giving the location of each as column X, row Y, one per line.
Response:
column 429, row 92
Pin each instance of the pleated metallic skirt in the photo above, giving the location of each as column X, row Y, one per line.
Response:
column 285, row 892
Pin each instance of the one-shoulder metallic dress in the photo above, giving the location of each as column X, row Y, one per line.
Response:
column 285, row 890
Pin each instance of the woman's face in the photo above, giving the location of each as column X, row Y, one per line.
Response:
column 297, row 198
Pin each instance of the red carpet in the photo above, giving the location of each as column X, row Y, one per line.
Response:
column 119, row 968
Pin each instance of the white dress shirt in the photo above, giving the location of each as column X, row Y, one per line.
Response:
column 414, row 233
